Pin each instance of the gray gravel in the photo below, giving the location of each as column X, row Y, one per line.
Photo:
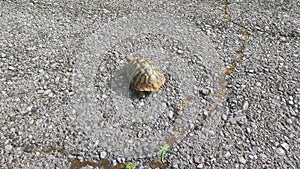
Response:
column 132, row 127
column 65, row 103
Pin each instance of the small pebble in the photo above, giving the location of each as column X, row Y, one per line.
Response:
column 103, row 154
column 242, row 160
column 253, row 157
column 142, row 103
column 11, row 68
column 170, row 114
column 8, row 147
column 263, row 156
column 251, row 71
column 200, row 166
column 47, row 92
column 258, row 84
column 245, row 105
column 28, row 148
column 206, row 113
column 114, row 162
column 290, row 102
column 280, row 151
column 285, row 146
column 175, row 165
column 204, row 91
column 211, row 132
column 12, row 130
column 179, row 51
column 224, row 117
column 197, row 159
column 227, row 155
column 164, row 104
column 289, row 121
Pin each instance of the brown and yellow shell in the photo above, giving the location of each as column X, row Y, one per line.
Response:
column 143, row 74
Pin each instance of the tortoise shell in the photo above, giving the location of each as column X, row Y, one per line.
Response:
column 143, row 74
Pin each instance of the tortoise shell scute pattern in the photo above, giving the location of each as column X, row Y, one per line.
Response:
column 143, row 74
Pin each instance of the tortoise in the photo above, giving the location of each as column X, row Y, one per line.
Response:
column 143, row 75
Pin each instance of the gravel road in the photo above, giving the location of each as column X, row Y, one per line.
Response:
column 231, row 98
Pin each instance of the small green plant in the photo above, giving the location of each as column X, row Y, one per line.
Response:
column 163, row 152
column 130, row 165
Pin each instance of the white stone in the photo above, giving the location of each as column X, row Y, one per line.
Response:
column 200, row 166
column 11, row 68
column 263, row 156
column 242, row 160
column 245, row 105
column 285, row 146
column 103, row 154
column 258, row 84
column 8, row 147
column 253, row 157
column 224, row 116
column 291, row 102
column 289, row 121
column 179, row 51
column 142, row 103
column 280, row 151
column 227, row 155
